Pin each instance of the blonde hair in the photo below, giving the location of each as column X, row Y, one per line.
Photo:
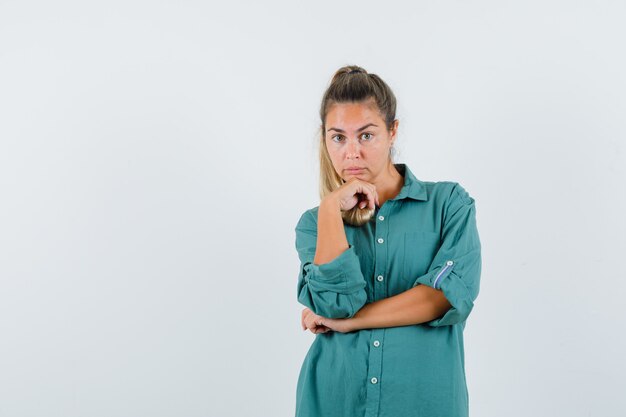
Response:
column 352, row 84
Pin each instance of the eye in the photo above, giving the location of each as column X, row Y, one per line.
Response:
column 366, row 136
column 336, row 136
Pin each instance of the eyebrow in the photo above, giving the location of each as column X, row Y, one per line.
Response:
column 358, row 130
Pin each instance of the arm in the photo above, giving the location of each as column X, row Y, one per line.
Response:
column 417, row 305
column 331, row 236
column 330, row 281
column 445, row 294
column 456, row 267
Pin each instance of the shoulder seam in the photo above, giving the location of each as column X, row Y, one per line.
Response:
column 462, row 193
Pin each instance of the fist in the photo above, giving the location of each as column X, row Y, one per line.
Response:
column 313, row 322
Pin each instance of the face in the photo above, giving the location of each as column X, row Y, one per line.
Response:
column 356, row 137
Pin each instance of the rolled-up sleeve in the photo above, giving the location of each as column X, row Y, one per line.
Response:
column 335, row 289
column 456, row 266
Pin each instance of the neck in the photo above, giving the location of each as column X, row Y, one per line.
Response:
column 389, row 185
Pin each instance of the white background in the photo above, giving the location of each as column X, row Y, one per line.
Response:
column 155, row 157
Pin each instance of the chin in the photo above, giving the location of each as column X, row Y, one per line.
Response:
column 359, row 176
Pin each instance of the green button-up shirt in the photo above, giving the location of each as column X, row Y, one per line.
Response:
column 426, row 235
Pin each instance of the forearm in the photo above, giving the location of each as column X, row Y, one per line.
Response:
column 331, row 236
column 414, row 306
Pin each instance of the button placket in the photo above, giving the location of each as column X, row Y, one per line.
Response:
column 374, row 371
column 381, row 257
column 381, row 252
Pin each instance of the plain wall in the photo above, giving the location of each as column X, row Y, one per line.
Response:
column 156, row 156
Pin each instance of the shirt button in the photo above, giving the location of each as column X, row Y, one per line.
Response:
column 381, row 217
column 380, row 240
column 376, row 343
column 380, row 278
column 449, row 263
column 374, row 380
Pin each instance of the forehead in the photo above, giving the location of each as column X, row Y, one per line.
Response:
column 349, row 116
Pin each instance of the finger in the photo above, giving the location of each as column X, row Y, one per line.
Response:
column 310, row 323
column 364, row 195
column 369, row 190
column 363, row 192
column 320, row 329
column 314, row 322
column 374, row 197
column 314, row 328
column 371, row 197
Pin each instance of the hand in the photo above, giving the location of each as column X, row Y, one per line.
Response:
column 353, row 192
column 318, row 324
column 313, row 322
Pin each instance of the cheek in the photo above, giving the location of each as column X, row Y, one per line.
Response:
column 334, row 151
column 373, row 151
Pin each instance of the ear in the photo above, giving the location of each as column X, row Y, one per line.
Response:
column 394, row 130
column 394, row 127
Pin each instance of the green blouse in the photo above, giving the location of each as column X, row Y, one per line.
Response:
column 425, row 235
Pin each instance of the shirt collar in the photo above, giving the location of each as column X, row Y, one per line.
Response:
column 412, row 188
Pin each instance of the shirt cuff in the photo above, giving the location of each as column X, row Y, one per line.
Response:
column 456, row 292
column 341, row 275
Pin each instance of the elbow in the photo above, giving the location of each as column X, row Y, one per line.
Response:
column 454, row 315
column 458, row 304
column 335, row 290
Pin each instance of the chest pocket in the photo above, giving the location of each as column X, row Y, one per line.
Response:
column 418, row 251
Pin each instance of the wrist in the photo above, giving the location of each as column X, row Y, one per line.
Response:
column 330, row 203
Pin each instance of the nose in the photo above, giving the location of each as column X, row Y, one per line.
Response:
column 352, row 149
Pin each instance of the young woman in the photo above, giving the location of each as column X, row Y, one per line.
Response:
column 390, row 270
